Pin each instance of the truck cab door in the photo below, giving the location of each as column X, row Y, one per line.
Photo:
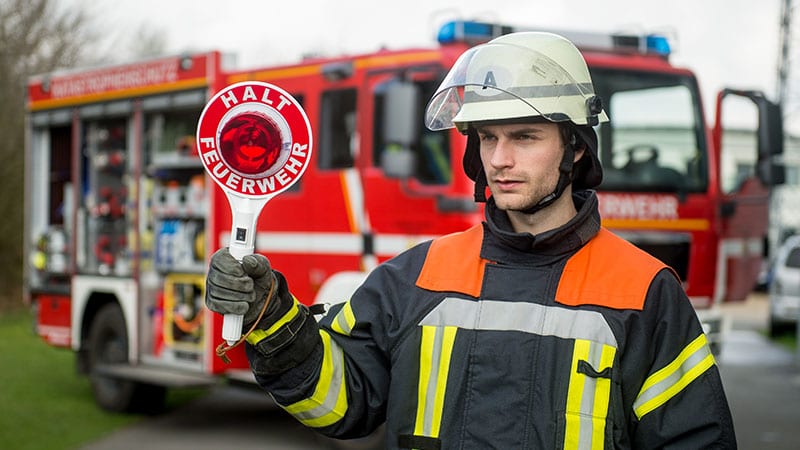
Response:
column 749, row 166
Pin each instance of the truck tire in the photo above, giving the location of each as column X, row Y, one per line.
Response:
column 108, row 344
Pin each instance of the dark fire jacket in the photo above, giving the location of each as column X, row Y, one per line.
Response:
column 572, row 339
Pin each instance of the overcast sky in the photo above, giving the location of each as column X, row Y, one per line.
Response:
column 728, row 43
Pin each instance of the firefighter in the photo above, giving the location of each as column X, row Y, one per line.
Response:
column 537, row 329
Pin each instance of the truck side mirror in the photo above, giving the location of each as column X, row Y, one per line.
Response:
column 401, row 109
column 771, row 170
column 401, row 106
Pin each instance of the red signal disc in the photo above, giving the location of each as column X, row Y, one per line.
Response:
column 254, row 139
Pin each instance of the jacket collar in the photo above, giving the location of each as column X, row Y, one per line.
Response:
column 503, row 244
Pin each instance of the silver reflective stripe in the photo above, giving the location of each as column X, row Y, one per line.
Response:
column 526, row 317
column 527, row 92
column 430, row 389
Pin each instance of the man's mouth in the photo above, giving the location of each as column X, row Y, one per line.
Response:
column 506, row 183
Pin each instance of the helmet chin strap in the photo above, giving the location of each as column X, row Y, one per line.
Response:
column 564, row 179
column 480, row 187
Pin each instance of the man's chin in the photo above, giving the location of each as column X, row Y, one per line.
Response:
column 517, row 205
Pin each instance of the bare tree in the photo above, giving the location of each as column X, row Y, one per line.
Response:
column 35, row 37
column 148, row 42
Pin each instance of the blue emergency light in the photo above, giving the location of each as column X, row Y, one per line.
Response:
column 469, row 31
column 658, row 44
column 472, row 32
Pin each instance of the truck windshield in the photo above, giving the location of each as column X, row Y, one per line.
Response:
column 655, row 141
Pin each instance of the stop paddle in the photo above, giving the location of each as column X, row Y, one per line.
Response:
column 254, row 140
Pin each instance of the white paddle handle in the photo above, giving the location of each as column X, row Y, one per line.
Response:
column 242, row 243
column 232, row 327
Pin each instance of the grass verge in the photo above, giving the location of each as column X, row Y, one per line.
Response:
column 787, row 340
column 45, row 404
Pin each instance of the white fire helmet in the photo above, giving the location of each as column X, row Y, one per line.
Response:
column 516, row 75
column 523, row 75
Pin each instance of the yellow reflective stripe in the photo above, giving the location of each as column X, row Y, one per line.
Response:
column 601, row 399
column 344, row 321
column 588, row 397
column 425, row 363
column 576, row 382
column 328, row 404
column 661, row 386
column 436, row 349
column 258, row 335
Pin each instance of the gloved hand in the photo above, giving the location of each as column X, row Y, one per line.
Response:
column 239, row 288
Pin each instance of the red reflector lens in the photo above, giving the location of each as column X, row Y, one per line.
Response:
column 251, row 143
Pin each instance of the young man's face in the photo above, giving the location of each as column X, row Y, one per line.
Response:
column 521, row 162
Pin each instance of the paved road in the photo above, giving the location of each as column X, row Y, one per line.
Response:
column 227, row 418
column 762, row 382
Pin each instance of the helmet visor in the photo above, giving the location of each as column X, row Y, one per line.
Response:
column 501, row 81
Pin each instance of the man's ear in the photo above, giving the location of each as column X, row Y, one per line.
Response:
column 579, row 151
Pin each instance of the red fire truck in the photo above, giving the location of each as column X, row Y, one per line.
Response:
column 121, row 218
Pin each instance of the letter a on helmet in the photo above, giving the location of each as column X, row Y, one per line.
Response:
column 489, row 80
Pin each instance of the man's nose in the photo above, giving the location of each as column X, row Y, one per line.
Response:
column 503, row 153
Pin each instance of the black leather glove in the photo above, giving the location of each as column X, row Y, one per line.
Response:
column 239, row 288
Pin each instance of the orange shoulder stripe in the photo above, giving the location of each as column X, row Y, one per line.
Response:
column 453, row 263
column 608, row 271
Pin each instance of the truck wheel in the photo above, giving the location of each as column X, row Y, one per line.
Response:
column 108, row 344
